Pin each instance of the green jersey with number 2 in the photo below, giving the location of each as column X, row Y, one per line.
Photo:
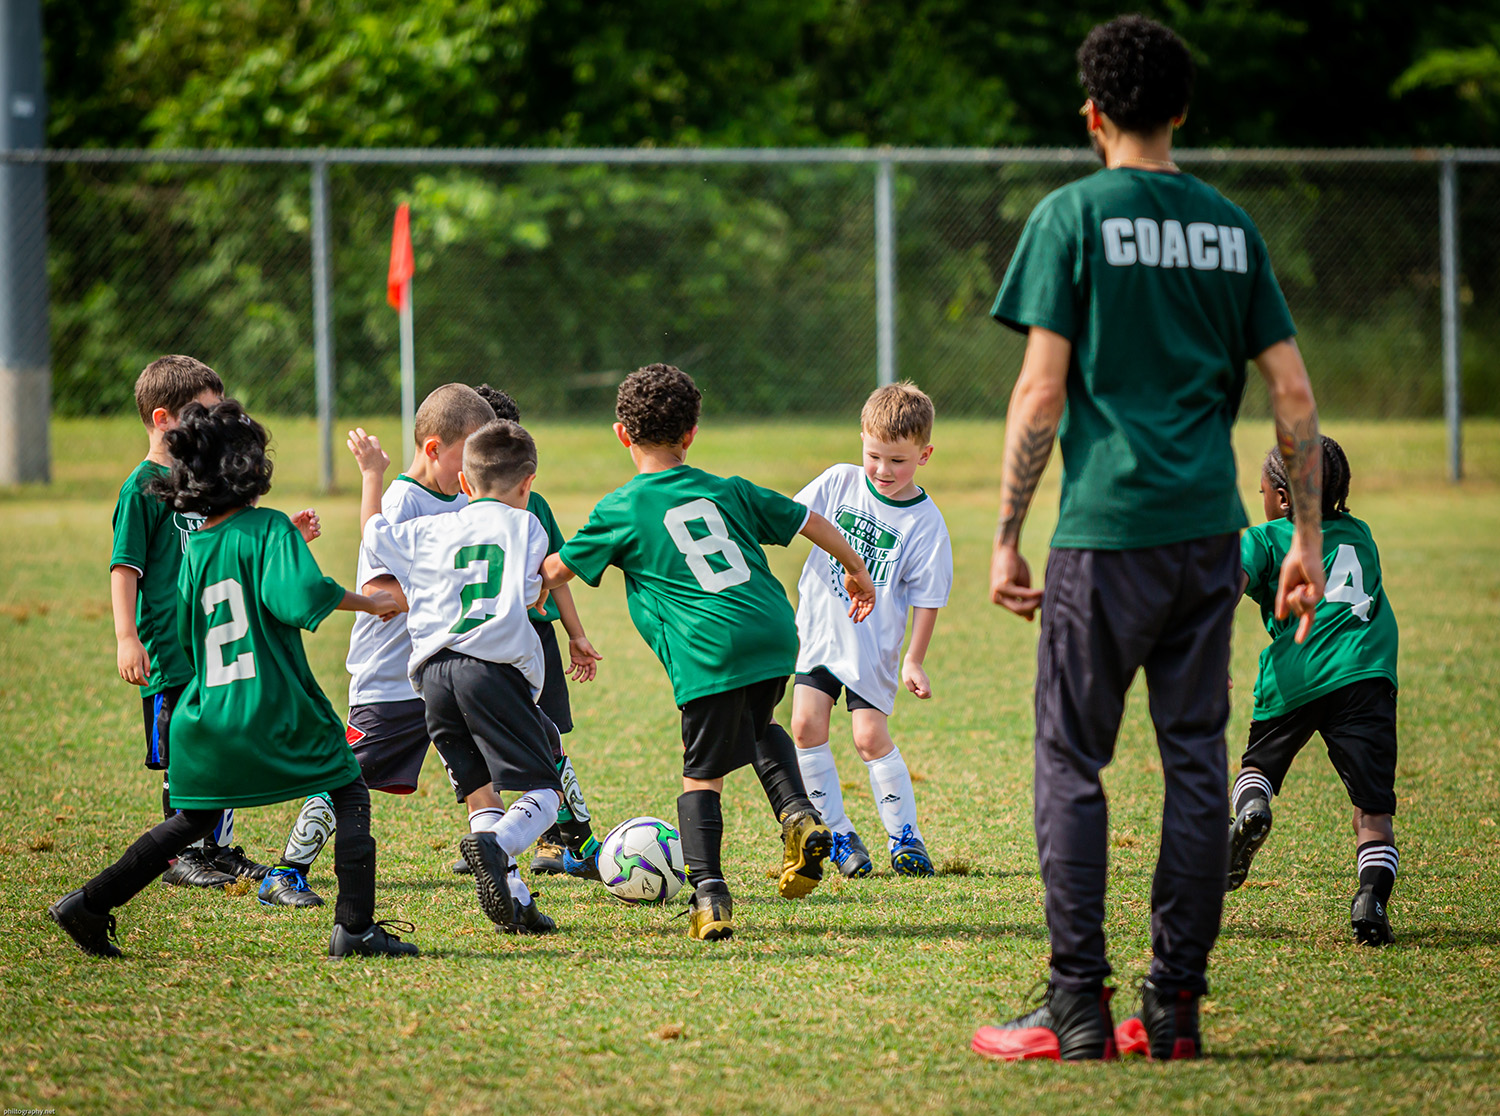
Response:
column 253, row 727
column 696, row 579
column 1354, row 632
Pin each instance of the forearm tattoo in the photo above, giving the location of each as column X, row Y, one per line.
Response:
column 1302, row 452
column 1023, row 469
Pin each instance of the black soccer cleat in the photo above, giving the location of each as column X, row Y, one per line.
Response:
column 461, row 866
column 1247, row 833
column 490, row 865
column 1067, row 1027
column 1367, row 917
column 1166, row 1027
column 528, row 920
column 377, row 941
column 94, row 933
column 193, row 869
column 287, row 887
column 234, row 862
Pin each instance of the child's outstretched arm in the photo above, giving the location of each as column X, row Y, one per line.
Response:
column 379, row 603
column 913, row 674
column 373, row 462
column 555, row 572
column 131, row 657
column 581, row 652
column 308, row 525
column 857, row 581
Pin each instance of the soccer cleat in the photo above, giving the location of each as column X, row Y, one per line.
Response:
column 711, row 916
column 1246, row 835
column 1166, row 1027
column 461, row 867
column 491, row 866
column 528, row 920
column 1367, row 916
column 547, row 860
column 583, row 865
column 377, row 941
column 806, row 842
column 234, row 862
column 851, row 856
column 193, row 869
column 909, row 856
column 1067, row 1027
column 94, row 933
column 287, row 887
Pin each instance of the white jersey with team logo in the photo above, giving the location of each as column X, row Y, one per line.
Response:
column 904, row 544
column 469, row 578
column 378, row 652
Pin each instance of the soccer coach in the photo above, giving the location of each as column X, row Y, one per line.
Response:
column 1142, row 292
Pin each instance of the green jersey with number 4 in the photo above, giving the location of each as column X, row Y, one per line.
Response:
column 1354, row 632
column 696, row 579
column 253, row 727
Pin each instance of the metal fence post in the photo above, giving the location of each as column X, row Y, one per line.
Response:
column 1452, row 383
column 885, row 276
column 322, row 320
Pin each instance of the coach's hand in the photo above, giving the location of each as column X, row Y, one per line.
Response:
column 133, row 661
column 1010, row 582
column 1302, row 582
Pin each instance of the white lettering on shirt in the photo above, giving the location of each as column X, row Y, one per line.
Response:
column 1202, row 246
column 1173, row 245
column 1117, row 249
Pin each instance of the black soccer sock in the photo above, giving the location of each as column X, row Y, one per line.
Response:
column 1378, row 862
column 1249, row 785
column 576, row 835
column 146, row 858
column 780, row 775
column 353, row 857
column 166, row 799
column 700, row 820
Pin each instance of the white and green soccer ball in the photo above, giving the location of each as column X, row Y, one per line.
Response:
column 641, row 861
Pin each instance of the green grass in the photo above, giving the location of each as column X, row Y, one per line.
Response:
column 860, row 999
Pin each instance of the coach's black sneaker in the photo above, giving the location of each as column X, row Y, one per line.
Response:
column 711, row 913
column 528, row 920
column 547, row 859
column 377, row 941
column 1166, row 1027
column 287, row 887
column 490, row 866
column 1068, row 1027
column 1367, row 916
column 1246, row 835
column 806, row 843
column 94, row 933
column 192, row 869
column 234, row 862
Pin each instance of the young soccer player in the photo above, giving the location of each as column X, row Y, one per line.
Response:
column 1340, row 683
column 703, row 597
column 252, row 727
column 150, row 539
column 899, row 532
column 469, row 579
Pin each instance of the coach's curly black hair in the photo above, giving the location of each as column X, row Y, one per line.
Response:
column 658, row 405
column 500, row 402
column 1335, row 477
column 219, row 460
column 1137, row 72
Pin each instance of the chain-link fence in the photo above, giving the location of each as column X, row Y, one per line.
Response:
column 757, row 271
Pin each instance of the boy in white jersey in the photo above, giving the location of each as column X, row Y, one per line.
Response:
column 469, row 579
column 899, row 532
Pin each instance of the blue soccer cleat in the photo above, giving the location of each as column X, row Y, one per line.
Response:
column 909, row 856
column 586, row 866
column 287, row 887
column 851, row 856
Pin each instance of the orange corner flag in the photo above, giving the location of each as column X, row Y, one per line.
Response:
column 402, row 266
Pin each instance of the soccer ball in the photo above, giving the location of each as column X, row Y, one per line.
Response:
column 641, row 861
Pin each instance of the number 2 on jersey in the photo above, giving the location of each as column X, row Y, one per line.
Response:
column 717, row 541
column 237, row 627
column 478, row 591
column 1346, row 582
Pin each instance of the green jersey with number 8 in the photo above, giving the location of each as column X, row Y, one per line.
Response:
column 253, row 727
column 696, row 579
column 1354, row 632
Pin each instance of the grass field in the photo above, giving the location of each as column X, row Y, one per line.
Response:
column 860, row 999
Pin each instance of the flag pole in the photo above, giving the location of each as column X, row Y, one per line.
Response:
column 408, row 374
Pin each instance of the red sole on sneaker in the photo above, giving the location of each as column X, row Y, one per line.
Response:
column 1016, row 1046
column 1130, row 1037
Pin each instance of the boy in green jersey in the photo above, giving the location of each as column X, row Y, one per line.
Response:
column 252, row 727
column 703, row 597
column 1340, row 683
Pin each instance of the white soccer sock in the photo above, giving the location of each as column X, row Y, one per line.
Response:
column 519, row 892
column 820, row 775
column 310, row 832
column 890, row 783
column 1248, row 785
column 529, row 816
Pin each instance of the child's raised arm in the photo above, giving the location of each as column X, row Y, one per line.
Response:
column 131, row 657
column 373, row 462
column 857, row 581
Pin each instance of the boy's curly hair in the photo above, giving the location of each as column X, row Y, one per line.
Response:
column 1335, row 477
column 658, row 405
column 219, row 460
column 500, row 402
column 1137, row 72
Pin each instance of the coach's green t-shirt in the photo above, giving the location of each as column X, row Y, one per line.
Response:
column 539, row 508
column 696, row 579
column 253, row 727
column 150, row 538
column 1354, row 632
column 1165, row 290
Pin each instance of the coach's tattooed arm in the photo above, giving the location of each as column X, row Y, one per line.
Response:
column 1026, row 454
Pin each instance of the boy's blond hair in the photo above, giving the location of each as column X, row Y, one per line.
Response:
column 171, row 383
column 898, row 413
column 450, row 414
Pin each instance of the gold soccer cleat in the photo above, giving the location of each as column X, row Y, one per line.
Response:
column 712, row 913
column 807, row 843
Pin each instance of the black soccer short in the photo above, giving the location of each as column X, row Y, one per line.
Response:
column 389, row 739
column 554, row 700
column 821, row 678
column 156, row 713
column 1357, row 723
column 482, row 719
column 719, row 731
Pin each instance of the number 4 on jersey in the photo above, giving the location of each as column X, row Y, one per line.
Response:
column 1346, row 582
